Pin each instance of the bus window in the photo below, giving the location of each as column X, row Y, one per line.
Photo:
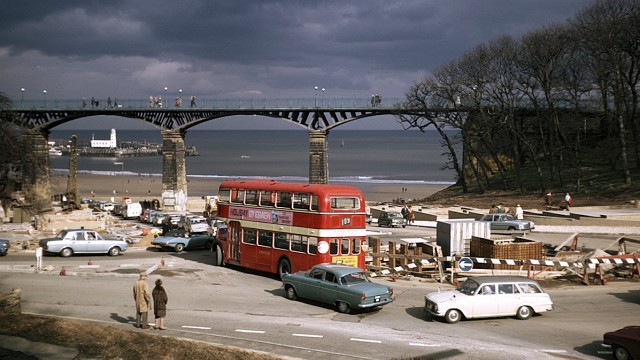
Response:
column 267, row 198
column 298, row 244
column 345, row 203
column 237, row 196
column 313, row 245
column 301, row 200
column 333, row 247
column 282, row 242
column 356, row 246
column 251, row 197
column 284, row 199
column 314, row 202
column 224, row 195
column 265, row 238
column 249, row 236
column 345, row 247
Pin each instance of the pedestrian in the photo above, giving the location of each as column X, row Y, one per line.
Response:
column 567, row 202
column 193, row 101
column 499, row 209
column 519, row 212
column 548, row 200
column 412, row 216
column 493, row 210
column 142, row 296
column 160, row 304
column 405, row 214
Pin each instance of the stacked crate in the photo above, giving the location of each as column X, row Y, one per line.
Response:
column 507, row 249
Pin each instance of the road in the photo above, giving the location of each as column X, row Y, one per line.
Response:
column 234, row 307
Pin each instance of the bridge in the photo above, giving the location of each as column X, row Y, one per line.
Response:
column 318, row 116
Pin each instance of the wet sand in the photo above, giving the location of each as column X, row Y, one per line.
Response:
column 103, row 187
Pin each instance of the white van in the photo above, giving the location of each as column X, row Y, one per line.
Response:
column 131, row 211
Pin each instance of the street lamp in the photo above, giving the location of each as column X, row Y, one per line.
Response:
column 44, row 95
column 315, row 102
column 121, row 163
column 322, row 97
column 22, row 99
column 166, row 99
column 179, row 103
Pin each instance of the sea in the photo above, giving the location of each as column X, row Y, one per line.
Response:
column 355, row 156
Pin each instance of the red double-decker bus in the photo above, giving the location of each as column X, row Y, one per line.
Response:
column 282, row 227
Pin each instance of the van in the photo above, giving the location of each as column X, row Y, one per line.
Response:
column 131, row 211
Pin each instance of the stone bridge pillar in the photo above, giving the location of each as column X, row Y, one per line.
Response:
column 174, row 171
column 36, row 181
column 318, row 157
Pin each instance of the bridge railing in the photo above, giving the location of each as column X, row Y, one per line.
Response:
column 203, row 103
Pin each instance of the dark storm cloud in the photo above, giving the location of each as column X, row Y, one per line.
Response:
column 235, row 48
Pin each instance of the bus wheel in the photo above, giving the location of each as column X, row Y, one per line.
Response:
column 217, row 254
column 284, row 267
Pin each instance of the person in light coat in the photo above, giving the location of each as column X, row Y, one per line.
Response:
column 519, row 212
column 142, row 296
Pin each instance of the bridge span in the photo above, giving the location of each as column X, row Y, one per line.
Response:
column 37, row 121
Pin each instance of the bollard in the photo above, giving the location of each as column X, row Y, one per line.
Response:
column 63, row 271
column 162, row 261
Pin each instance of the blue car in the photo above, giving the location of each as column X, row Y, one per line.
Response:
column 4, row 247
column 344, row 286
column 177, row 240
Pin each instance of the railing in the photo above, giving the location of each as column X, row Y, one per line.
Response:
column 203, row 103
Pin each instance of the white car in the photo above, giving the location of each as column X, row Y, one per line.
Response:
column 197, row 224
column 489, row 296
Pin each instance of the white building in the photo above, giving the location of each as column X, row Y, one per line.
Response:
column 111, row 143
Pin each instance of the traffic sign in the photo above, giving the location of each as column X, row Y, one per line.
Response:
column 465, row 264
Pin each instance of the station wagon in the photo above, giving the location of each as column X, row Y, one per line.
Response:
column 489, row 296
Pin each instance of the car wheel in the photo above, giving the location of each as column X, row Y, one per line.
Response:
column 453, row 316
column 291, row 293
column 284, row 267
column 379, row 224
column 404, row 226
column 66, row 252
column 179, row 247
column 511, row 228
column 524, row 312
column 344, row 307
column 621, row 353
column 114, row 251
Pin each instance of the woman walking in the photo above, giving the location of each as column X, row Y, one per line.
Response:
column 159, row 304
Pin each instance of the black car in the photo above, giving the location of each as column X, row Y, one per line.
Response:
column 391, row 219
column 4, row 247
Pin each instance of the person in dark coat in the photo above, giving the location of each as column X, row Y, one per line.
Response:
column 159, row 304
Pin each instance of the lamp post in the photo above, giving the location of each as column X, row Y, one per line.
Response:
column 322, row 103
column 180, row 97
column 44, row 96
column 166, row 99
column 315, row 102
column 22, row 98
column 121, row 163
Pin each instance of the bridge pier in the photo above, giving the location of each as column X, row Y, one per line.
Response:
column 318, row 157
column 36, row 183
column 174, row 171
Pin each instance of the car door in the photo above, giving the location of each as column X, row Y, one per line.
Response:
column 95, row 243
column 509, row 299
column 485, row 301
column 310, row 286
column 330, row 288
column 77, row 241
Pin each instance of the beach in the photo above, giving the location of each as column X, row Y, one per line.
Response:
column 138, row 188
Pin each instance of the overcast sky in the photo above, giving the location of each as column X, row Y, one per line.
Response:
column 247, row 49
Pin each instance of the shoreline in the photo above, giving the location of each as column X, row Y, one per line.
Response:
column 138, row 188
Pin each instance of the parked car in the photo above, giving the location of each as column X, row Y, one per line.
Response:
column 184, row 219
column 4, row 247
column 507, row 222
column 369, row 219
column 489, row 296
column 197, row 225
column 178, row 241
column 131, row 211
column 344, row 286
column 82, row 241
column 107, row 206
column 391, row 219
column 625, row 342
column 215, row 225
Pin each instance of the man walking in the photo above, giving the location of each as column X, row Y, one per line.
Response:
column 142, row 296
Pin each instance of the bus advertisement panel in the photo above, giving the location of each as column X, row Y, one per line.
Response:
column 286, row 227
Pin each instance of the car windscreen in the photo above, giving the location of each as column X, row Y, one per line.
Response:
column 468, row 287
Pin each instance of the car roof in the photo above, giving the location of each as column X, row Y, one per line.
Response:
column 502, row 278
column 339, row 269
